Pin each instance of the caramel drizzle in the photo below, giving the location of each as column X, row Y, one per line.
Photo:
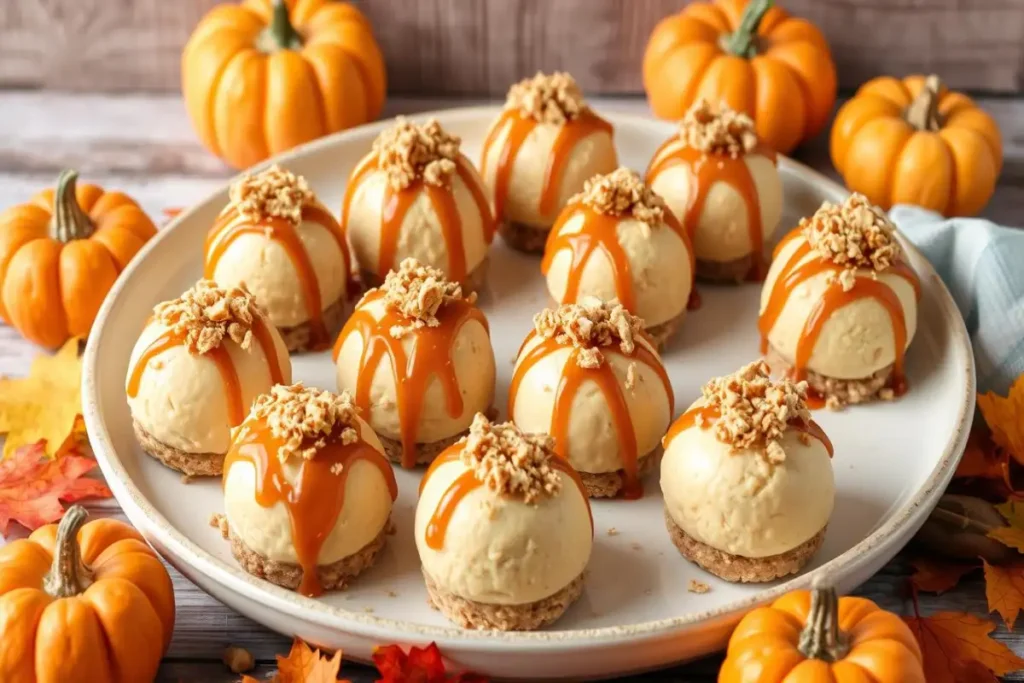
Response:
column 706, row 415
column 317, row 498
column 225, row 366
column 573, row 377
column 398, row 202
column 230, row 226
column 707, row 169
column 794, row 273
column 519, row 127
column 465, row 484
column 430, row 356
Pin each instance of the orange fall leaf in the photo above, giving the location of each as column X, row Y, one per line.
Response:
column 938, row 576
column 953, row 643
column 1004, row 588
column 304, row 665
column 1005, row 417
column 1012, row 535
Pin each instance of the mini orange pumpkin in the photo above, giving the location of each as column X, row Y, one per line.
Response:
column 913, row 141
column 59, row 255
column 811, row 636
column 266, row 75
column 755, row 57
column 78, row 603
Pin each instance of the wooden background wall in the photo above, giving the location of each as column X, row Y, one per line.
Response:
column 480, row 46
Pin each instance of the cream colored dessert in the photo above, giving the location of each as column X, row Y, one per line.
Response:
column 307, row 490
column 747, row 478
column 279, row 240
column 843, row 270
column 616, row 241
column 417, row 196
column 588, row 376
column 724, row 187
column 198, row 364
column 416, row 355
column 503, row 530
column 538, row 153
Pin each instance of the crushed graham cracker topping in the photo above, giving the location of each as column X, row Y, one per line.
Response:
column 854, row 234
column 272, row 193
column 510, row 462
column 754, row 410
column 418, row 292
column 623, row 193
column 206, row 314
column 305, row 418
column 547, row 98
column 722, row 131
column 409, row 151
column 589, row 326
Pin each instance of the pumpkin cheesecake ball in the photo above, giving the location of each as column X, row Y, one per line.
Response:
column 416, row 355
column 307, row 491
column 617, row 241
column 538, row 153
column 503, row 530
column 198, row 364
column 747, row 478
column 722, row 183
column 417, row 196
column 839, row 305
column 588, row 376
column 279, row 240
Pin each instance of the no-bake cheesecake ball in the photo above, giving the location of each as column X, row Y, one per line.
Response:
column 416, row 355
column 538, row 153
column 307, row 490
column 839, row 305
column 723, row 185
column 617, row 241
column 279, row 240
column 588, row 376
column 195, row 369
column 503, row 530
column 417, row 196
column 747, row 478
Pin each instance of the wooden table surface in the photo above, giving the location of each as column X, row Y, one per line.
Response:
column 143, row 145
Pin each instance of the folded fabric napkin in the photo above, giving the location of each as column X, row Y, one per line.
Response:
column 982, row 264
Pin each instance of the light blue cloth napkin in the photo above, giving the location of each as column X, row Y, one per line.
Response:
column 982, row 264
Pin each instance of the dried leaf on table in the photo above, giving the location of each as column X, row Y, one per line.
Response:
column 954, row 644
column 938, row 576
column 304, row 665
column 1012, row 535
column 981, row 458
column 1004, row 588
column 420, row 665
column 44, row 405
column 1005, row 417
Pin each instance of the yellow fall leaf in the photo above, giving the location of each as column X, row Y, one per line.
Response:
column 1013, row 535
column 1005, row 417
column 43, row 405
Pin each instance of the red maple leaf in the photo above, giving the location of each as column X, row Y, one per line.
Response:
column 420, row 665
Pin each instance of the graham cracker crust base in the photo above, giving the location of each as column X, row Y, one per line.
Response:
column 725, row 272
column 482, row 616
column 610, row 484
column 840, row 392
column 475, row 280
column 334, row 576
column 740, row 569
column 662, row 332
column 189, row 464
column 298, row 339
column 425, row 452
column 523, row 237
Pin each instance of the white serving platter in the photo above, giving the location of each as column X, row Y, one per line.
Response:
column 892, row 461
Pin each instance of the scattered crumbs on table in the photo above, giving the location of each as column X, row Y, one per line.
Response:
column 219, row 522
column 636, row 546
column 698, row 586
column 612, row 531
column 368, row 610
column 186, row 479
column 238, row 659
column 392, row 594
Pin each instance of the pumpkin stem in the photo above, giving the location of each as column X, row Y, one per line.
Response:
column 280, row 34
column 68, row 575
column 923, row 112
column 69, row 221
column 821, row 637
column 743, row 43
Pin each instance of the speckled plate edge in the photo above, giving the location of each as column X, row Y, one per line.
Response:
column 141, row 512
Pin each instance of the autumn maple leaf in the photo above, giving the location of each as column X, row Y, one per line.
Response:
column 1004, row 588
column 1005, row 417
column 304, row 665
column 981, row 458
column 1012, row 535
column 420, row 665
column 955, row 646
column 938, row 576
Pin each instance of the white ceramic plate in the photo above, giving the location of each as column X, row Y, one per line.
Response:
column 892, row 461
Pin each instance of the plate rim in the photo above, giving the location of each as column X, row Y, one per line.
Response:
column 178, row 547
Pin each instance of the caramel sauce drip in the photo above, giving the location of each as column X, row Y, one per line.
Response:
column 398, row 202
column 222, row 359
column 317, row 497
column 430, row 356
column 519, row 127
column 573, row 377
column 465, row 484
column 707, row 169
column 709, row 414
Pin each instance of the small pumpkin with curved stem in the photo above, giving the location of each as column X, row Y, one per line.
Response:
column 83, row 602
column 913, row 141
column 812, row 636
column 59, row 255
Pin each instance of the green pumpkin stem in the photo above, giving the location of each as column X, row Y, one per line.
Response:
column 821, row 637
column 68, row 575
column 923, row 112
column 743, row 43
column 280, row 35
column 69, row 221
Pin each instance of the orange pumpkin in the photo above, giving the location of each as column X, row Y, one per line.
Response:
column 59, row 255
column 913, row 141
column 811, row 636
column 755, row 57
column 80, row 603
column 267, row 75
